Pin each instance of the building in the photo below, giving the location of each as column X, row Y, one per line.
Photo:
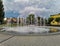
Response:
column 14, row 20
column 55, row 19
column 10, row 20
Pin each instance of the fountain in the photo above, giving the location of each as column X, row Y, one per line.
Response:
column 26, row 29
column 44, row 22
column 30, row 29
column 17, row 21
column 31, row 20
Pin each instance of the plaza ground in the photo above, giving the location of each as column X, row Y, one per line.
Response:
column 10, row 40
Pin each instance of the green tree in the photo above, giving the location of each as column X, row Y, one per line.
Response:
column 57, row 19
column 31, row 19
column 49, row 20
column 38, row 18
column 1, row 12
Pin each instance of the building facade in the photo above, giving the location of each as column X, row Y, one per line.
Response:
column 55, row 19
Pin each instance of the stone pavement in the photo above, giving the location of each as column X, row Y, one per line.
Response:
column 4, row 37
column 53, row 40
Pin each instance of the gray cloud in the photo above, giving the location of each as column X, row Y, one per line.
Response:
column 38, row 7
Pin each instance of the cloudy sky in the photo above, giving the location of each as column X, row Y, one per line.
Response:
column 22, row 8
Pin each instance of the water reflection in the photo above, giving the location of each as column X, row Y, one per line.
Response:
column 54, row 30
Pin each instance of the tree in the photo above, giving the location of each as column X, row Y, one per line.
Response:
column 49, row 20
column 38, row 18
column 1, row 12
column 57, row 19
column 31, row 19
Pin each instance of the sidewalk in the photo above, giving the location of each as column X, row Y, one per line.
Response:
column 53, row 40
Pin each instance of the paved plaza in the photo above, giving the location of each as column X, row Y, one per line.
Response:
column 9, row 40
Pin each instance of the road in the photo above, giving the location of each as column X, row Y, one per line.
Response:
column 9, row 40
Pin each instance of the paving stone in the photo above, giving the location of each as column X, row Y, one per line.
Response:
column 4, row 37
column 53, row 40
